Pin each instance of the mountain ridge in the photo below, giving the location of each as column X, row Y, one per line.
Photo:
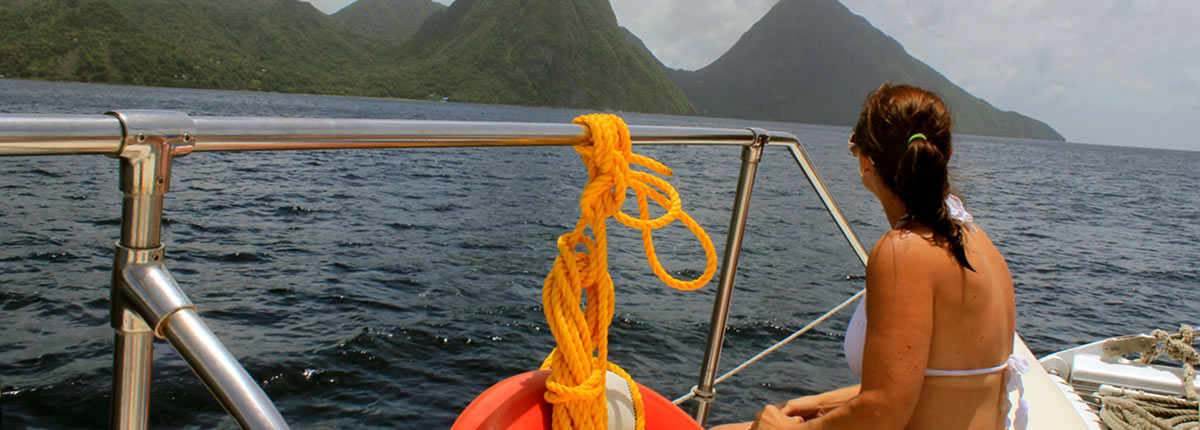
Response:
column 389, row 21
column 816, row 61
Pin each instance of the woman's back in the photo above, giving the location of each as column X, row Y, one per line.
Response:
column 973, row 329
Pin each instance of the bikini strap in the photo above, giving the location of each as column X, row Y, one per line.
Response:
column 967, row 372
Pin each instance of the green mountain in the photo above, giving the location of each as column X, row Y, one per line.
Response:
column 389, row 21
column 814, row 61
column 262, row 45
column 564, row 53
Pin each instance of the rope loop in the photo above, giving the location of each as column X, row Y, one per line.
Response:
column 579, row 363
column 1144, row 411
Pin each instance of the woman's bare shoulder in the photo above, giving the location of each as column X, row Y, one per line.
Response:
column 904, row 244
column 905, row 258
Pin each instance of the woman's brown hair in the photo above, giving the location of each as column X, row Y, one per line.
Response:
column 905, row 131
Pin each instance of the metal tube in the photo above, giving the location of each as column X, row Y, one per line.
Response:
column 272, row 134
column 733, row 244
column 132, row 355
column 23, row 134
column 237, row 392
column 102, row 134
column 141, row 210
column 831, row 206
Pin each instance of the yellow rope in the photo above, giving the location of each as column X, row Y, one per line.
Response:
column 580, row 361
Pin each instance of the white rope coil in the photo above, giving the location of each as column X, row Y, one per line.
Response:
column 1150, row 412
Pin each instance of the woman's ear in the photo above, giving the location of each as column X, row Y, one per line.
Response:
column 865, row 165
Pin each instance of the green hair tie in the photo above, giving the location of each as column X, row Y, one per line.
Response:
column 915, row 136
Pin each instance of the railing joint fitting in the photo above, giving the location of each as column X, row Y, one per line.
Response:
column 760, row 140
column 703, row 396
column 143, row 282
column 152, row 138
column 126, row 256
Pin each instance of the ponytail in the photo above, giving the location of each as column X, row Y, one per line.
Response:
column 921, row 181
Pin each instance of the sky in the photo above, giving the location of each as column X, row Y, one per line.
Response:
column 1110, row 72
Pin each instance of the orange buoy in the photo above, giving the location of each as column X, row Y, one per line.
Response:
column 518, row 403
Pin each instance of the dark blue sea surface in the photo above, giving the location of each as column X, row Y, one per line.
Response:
column 386, row 288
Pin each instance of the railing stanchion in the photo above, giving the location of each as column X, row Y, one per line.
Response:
column 146, row 299
column 751, row 155
column 132, row 354
column 145, row 157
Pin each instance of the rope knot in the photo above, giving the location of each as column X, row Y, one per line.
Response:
column 1139, row 410
column 588, row 389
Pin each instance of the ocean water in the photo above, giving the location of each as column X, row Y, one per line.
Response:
column 387, row 288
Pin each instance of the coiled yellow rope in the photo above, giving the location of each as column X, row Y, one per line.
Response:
column 579, row 363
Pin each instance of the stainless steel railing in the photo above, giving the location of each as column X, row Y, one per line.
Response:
column 147, row 301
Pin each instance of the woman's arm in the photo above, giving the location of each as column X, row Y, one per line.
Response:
column 899, row 332
column 809, row 407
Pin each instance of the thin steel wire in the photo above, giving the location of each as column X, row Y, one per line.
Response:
column 776, row 346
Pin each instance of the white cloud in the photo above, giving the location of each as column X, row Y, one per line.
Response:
column 689, row 34
column 1082, row 66
column 329, row 6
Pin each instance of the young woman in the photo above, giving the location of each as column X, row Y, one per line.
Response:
column 933, row 342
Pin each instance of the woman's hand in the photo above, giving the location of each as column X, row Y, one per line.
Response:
column 771, row 418
column 805, row 407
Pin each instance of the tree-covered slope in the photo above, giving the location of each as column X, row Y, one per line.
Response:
column 389, row 21
column 267, row 45
column 565, row 53
column 814, row 61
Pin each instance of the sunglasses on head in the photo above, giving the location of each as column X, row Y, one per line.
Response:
column 853, row 147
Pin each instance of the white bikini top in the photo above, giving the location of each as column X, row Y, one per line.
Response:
column 1013, row 367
